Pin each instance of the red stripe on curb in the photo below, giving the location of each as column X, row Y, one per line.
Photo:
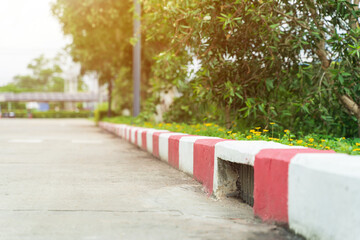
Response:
column 173, row 150
column 156, row 143
column 204, row 153
column 271, row 169
column 143, row 140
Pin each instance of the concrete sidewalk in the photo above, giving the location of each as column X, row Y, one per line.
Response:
column 67, row 179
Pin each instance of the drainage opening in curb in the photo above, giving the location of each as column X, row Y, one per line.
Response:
column 236, row 180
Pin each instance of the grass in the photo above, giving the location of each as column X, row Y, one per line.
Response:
column 341, row 145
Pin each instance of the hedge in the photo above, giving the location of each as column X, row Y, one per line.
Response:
column 53, row 114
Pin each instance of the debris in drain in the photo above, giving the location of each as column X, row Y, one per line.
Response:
column 235, row 194
column 244, row 183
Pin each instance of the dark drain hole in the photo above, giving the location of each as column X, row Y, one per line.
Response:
column 243, row 175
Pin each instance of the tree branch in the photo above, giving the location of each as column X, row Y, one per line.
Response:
column 351, row 105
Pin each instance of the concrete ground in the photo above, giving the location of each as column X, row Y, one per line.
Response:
column 67, row 179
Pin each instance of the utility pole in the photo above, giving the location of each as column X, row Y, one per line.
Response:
column 137, row 57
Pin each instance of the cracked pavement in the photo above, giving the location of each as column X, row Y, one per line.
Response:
column 67, row 179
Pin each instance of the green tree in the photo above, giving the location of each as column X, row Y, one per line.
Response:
column 45, row 76
column 101, row 32
column 271, row 60
column 10, row 87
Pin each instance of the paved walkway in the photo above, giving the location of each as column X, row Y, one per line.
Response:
column 66, row 179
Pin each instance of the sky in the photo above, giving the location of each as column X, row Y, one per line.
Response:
column 27, row 30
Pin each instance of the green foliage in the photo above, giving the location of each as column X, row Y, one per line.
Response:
column 45, row 76
column 293, row 62
column 14, row 105
column 101, row 31
column 274, row 133
column 101, row 112
column 11, row 87
column 122, row 92
column 97, row 117
column 265, row 61
column 52, row 114
column 62, row 114
column 101, row 36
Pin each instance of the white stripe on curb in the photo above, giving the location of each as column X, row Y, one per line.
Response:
column 149, row 139
column 139, row 136
column 164, row 143
column 186, row 153
column 244, row 152
column 133, row 131
column 324, row 196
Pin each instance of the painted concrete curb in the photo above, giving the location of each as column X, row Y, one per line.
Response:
column 316, row 193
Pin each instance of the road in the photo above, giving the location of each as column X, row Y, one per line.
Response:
column 67, row 179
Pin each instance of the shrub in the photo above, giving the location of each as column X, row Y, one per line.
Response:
column 273, row 133
column 52, row 114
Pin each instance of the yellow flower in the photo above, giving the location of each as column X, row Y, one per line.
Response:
column 198, row 130
column 252, row 130
column 343, row 138
column 286, row 130
column 357, row 144
column 208, row 124
column 320, row 145
column 291, row 144
column 148, row 124
column 322, row 140
column 291, row 139
column 356, row 149
column 257, row 128
column 272, row 123
column 168, row 124
column 327, row 147
column 299, row 141
column 249, row 137
column 265, row 130
column 311, row 140
column 311, row 144
column 229, row 132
